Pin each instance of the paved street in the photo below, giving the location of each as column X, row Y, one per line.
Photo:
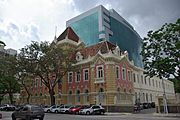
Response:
column 115, row 116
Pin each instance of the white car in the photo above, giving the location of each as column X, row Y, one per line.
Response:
column 94, row 109
column 48, row 109
column 55, row 109
column 64, row 108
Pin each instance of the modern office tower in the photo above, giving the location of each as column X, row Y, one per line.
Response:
column 100, row 24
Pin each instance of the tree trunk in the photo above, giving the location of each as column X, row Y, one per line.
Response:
column 52, row 93
column 28, row 97
column 11, row 98
column 28, row 93
column 1, row 98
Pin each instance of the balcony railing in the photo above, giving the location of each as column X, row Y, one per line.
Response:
column 99, row 80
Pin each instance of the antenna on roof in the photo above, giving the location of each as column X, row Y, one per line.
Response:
column 55, row 38
column 55, row 30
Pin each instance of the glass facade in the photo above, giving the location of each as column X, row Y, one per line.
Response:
column 126, row 40
column 87, row 29
column 91, row 26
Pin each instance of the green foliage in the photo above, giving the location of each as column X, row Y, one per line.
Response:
column 8, row 81
column 161, row 51
column 176, row 85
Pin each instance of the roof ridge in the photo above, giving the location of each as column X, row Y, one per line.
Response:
column 70, row 34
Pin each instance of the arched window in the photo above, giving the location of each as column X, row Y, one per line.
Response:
column 146, row 97
column 143, row 97
column 86, row 96
column 151, row 97
column 118, row 96
column 77, row 96
column 117, row 72
column 70, row 97
column 101, row 96
column 100, row 73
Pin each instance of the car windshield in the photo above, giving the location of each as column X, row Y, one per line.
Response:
column 36, row 108
column 68, row 106
column 86, row 107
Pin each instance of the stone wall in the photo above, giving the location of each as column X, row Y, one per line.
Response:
column 119, row 108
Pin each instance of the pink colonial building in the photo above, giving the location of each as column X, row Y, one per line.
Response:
column 102, row 75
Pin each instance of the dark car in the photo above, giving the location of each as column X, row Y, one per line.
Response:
column 29, row 112
column 76, row 109
column 9, row 108
column 145, row 105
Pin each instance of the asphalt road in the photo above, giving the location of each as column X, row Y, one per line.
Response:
column 51, row 116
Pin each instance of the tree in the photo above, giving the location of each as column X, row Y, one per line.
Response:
column 161, row 51
column 8, row 79
column 46, row 60
column 2, row 92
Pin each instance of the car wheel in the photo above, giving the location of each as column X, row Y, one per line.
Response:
column 66, row 111
column 48, row 111
column 41, row 118
column 56, row 111
column 77, row 113
column 87, row 113
column 13, row 117
column 28, row 117
column 102, row 113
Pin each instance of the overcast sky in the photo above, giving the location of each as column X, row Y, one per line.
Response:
column 23, row 21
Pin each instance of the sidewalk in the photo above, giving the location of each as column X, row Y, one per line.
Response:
column 167, row 115
column 147, row 114
column 117, row 113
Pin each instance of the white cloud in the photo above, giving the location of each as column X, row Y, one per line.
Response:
column 16, row 36
column 36, row 20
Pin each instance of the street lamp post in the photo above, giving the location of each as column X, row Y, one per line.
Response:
column 164, row 98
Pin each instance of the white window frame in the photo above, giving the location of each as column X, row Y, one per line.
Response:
column 84, row 74
column 97, row 72
column 134, row 77
column 69, row 77
column 129, row 75
column 77, row 76
column 124, row 73
column 117, row 72
column 142, row 79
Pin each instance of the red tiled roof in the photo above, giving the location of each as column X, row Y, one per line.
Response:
column 70, row 34
column 104, row 47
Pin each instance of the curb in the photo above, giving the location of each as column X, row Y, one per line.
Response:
column 166, row 115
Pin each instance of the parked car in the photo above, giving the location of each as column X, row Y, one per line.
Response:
column 46, row 108
column 49, row 108
column 64, row 108
column 9, row 108
column 4, row 106
column 55, row 109
column 145, row 105
column 28, row 112
column 76, row 109
column 0, row 115
column 94, row 109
